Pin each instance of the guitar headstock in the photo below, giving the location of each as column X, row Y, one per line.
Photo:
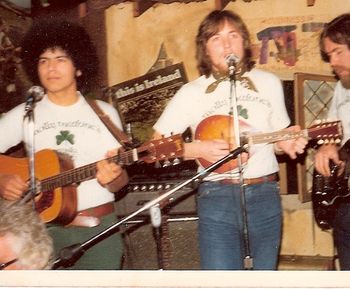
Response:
column 161, row 149
column 325, row 132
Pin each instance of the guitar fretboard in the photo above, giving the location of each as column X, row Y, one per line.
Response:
column 276, row 136
column 331, row 132
column 83, row 173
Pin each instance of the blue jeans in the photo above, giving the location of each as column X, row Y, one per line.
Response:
column 341, row 234
column 221, row 237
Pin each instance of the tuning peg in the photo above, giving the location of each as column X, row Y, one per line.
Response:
column 159, row 187
column 166, row 163
column 320, row 142
column 176, row 161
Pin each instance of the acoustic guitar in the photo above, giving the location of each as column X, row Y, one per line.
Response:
column 221, row 127
column 56, row 199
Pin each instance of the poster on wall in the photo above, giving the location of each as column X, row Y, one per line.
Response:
column 141, row 100
column 285, row 45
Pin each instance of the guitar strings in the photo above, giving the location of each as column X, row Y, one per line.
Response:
column 76, row 175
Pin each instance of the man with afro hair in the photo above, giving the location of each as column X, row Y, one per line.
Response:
column 59, row 56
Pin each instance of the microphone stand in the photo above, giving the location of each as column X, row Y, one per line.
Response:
column 156, row 220
column 34, row 94
column 69, row 255
column 30, row 147
column 248, row 260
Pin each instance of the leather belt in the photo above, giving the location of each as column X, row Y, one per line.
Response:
column 253, row 181
column 91, row 217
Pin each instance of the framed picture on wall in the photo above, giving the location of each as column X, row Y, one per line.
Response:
column 141, row 100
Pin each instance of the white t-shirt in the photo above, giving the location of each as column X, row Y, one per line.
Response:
column 340, row 108
column 75, row 130
column 263, row 111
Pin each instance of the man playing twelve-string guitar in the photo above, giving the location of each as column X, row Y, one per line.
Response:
column 207, row 106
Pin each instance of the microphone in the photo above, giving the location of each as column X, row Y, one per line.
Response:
column 231, row 60
column 34, row 94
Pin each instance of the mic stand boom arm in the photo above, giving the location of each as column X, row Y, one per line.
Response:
column 69, row 255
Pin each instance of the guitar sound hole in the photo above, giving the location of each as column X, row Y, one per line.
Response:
column 44, row 203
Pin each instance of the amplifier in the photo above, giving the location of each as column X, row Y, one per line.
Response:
column 181, row 202
column 150, row 182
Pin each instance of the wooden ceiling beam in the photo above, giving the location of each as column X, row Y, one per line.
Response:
column 221, row 4
column 140, row 6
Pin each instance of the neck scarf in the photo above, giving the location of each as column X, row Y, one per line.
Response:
column 245, row 81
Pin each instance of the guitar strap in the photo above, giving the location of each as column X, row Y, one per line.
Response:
column 115, row 131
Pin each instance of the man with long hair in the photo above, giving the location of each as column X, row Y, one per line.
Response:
column 335, row 49
column 232, row 236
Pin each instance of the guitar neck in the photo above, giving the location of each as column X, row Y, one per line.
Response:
column 83, row 173
column 155, row 150
column 276, row 136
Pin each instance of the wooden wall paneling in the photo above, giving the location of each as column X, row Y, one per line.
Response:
column 94, row 23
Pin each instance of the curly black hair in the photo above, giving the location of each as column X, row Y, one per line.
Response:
column 59, row 33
